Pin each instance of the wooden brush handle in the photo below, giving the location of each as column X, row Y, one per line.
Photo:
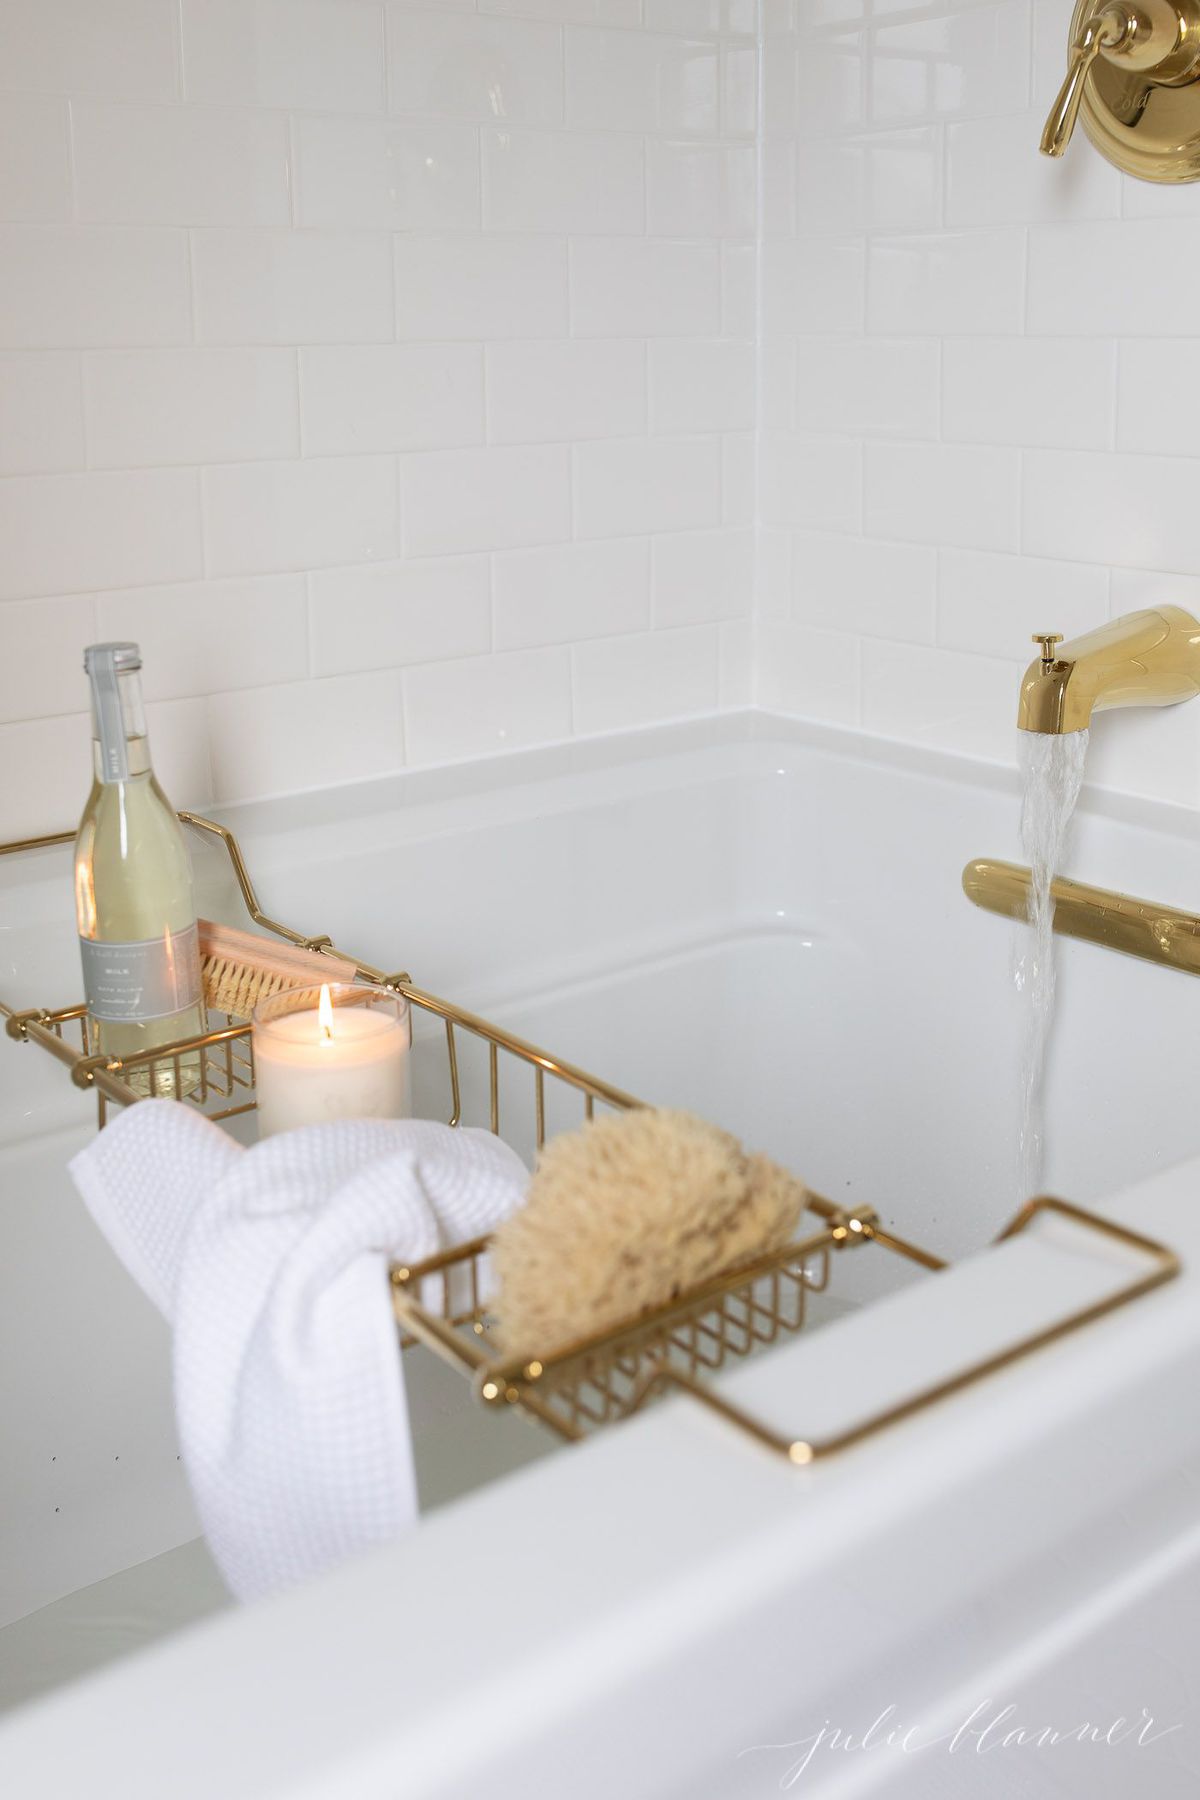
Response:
column 224, row 943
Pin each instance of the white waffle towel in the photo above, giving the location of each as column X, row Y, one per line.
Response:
column 271, row 1265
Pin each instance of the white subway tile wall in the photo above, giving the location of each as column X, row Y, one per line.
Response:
column 387, row 370
column 977, row 380
column 422, row 378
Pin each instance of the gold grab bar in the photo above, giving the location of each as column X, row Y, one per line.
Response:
column 1158, row 934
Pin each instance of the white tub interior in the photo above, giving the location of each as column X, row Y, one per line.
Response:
column 760, row 922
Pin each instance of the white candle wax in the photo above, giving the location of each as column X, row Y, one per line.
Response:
column 358, row 1069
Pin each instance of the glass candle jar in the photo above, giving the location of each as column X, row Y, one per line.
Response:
column 337, row 1052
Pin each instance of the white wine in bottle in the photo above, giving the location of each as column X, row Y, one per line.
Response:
column 133, row 891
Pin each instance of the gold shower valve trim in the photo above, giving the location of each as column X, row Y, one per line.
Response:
column 1133, row 78
column 1107, row 30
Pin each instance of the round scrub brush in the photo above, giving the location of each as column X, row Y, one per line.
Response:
column 240, row 969
column 625, row 1214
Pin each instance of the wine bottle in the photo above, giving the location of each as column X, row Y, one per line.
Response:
column 133, row 891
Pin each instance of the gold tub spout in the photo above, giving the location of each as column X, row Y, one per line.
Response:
column 1147, row 658
column 1160, row 934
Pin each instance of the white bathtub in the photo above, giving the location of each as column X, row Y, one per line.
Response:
column 764, row 923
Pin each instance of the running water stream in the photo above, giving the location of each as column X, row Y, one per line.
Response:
column 1052, row 767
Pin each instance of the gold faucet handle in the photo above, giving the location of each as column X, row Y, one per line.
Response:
column 1048, row 640
column 1108, row 28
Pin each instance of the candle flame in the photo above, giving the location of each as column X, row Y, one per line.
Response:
column 325, row 1012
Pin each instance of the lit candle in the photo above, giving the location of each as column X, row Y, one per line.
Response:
column 345, row 1058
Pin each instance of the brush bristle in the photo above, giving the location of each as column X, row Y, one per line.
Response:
column 241, row 969
column 237, row 988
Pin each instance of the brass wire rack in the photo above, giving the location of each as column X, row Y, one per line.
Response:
column 442, row 1302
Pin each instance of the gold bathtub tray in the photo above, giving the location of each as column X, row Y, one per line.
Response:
column 606, row 1377
column 524, row 1093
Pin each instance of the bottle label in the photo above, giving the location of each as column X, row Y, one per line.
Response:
column 136, row 983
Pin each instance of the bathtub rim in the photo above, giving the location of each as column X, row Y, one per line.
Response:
column 201, row 1729
column 747, row 741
